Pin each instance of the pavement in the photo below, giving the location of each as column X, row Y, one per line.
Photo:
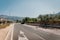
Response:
column 23, row 32
column 4, row 32
column 50, row 30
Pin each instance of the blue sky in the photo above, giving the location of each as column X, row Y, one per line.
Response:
column 30, row 8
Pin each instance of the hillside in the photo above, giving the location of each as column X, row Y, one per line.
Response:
column 11, row 17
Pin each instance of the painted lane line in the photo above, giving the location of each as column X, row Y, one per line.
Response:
column 22, row 36
column 12, row 32
column 34, row 27
column 9, row 32
column 8, row 35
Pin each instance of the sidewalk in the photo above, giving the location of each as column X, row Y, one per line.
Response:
column 3, row 32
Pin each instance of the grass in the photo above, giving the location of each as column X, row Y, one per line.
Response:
column 4, row 25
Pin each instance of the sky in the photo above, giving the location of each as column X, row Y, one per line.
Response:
column 29, row 8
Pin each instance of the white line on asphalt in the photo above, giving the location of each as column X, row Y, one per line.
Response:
column 9, row 32
column 34, row 27
column 22, row 36
column 12, row 32
column 8, row 35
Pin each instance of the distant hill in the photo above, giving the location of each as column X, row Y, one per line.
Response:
column 58, row 13
column 11, row 17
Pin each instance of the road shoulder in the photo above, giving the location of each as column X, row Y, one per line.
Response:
column 4, row 32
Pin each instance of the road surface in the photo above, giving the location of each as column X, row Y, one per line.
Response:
column 32, row 34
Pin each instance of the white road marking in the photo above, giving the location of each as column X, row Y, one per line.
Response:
column 9, row 32
column 12, row 32
column 8, row 35
column 35, row 28
column 22, row 36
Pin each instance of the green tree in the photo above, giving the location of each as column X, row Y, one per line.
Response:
column 26, row 19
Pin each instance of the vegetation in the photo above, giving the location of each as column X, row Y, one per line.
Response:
column 18, row 21
column 48, row 19
column 4, row 25
column 29, row 20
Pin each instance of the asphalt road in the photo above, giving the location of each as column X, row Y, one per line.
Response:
column 33, row 34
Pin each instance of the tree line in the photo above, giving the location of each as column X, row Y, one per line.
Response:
column 47, row 19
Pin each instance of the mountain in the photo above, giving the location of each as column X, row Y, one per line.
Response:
column 11, row 17
column 58, row 13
